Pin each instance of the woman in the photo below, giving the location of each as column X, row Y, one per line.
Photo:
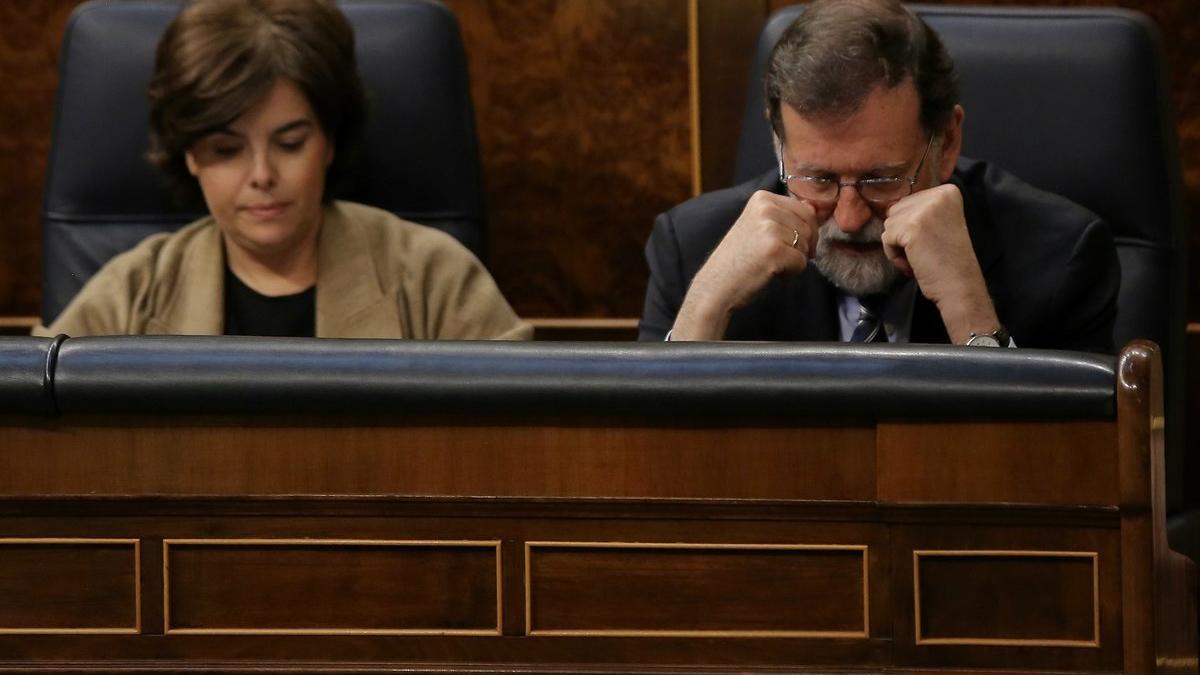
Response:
column 257, row 103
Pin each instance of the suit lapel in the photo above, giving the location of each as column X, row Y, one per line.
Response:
column 979, row 227
column 811, row 312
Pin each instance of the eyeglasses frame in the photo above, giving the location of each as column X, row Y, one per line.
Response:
column 857, row 184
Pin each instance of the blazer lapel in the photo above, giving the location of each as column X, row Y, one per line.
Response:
column 197, row 306
column 350, row 298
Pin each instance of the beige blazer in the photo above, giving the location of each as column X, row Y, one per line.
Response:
column 377, row 276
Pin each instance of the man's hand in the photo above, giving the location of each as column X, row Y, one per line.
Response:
column 757, row 248
column 925, row 236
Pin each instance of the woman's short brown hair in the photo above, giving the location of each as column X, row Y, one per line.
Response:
column 217, row 58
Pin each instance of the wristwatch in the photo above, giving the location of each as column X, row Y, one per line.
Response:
column 996, row 338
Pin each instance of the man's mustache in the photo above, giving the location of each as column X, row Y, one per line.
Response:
column 871, row 233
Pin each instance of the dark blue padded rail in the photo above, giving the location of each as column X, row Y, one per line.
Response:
column 25, row 367
column 792, row 383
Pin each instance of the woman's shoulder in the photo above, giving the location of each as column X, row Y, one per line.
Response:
column 388, row 232
column 163, row 250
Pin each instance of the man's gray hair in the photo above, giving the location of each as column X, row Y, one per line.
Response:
column 828, row 61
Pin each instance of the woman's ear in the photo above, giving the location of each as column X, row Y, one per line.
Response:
column 190, row 160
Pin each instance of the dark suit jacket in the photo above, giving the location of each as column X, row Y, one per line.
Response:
column 1049, row 264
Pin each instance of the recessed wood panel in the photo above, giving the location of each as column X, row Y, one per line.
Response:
column 30, row 35
column 1031, row 463
column 583, row 118
column 1035, row 598
column 69, row 586
column 702, row 590
column 248, row 457
column 299, row 586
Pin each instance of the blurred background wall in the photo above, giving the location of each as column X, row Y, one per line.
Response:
column 587, row 125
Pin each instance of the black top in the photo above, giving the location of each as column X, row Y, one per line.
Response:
column 248, row 312
column 1049, row 264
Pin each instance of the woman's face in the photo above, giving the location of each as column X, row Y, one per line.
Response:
column 264, row 174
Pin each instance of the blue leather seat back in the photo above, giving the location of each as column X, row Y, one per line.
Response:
column 421, row 160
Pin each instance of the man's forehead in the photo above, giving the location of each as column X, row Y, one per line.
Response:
column 882, row 132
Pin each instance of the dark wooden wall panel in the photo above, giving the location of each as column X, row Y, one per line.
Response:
column 30, row 34
column 68, row 586
column 1029, row 597
column 702, row 590
column 728, row 32
column 349, row 586
column 583, row 119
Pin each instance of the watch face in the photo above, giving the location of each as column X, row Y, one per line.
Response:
column 983, row 341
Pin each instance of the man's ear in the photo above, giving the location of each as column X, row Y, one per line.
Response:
column 190, row 160
column 951, row 144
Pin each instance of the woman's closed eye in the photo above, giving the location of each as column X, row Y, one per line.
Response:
column 292, row 144
column 226, row 150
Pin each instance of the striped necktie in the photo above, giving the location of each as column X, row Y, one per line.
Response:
column 870, row 319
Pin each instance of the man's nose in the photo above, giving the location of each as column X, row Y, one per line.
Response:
column 851, row 212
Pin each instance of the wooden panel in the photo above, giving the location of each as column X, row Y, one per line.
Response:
column 597, row 330
column 1011, row 598
column 989, row 597
column 191, row 457
column 728, row 33
column 697, row 590
column 30, row 34
column 69, row 586
column 584, row 125
column 1043, row 463
column 314, row 586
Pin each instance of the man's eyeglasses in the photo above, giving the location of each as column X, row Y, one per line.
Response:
column 873, row 190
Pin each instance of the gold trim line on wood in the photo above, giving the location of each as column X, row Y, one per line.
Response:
column 1014, row 642
column 27, row 322
column 447, row 543
column 18, row 541
column 700, row 633
column 70, row 631
column 599, row 323
column 693, row 18
column 863, row 548
column 696, row 545
column 334, row 631
column 70, row 541
column 334, row 542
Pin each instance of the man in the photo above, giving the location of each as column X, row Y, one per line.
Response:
column 873, row 228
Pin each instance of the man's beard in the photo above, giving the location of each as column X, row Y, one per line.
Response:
column 857, row 274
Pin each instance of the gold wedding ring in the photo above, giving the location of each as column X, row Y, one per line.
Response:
column 795, row 238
